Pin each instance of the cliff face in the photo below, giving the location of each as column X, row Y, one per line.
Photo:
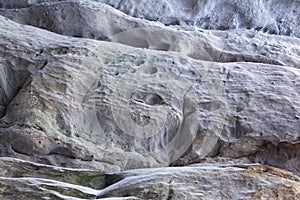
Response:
column 207, row 91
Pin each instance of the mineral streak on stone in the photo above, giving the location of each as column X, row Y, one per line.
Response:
column 161, row 83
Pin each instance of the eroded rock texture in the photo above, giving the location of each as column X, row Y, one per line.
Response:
column 199, row 181
column 84, row 85
column 271, row 16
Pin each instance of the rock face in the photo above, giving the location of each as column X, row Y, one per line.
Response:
column 75, row 18
column 272, row 16
column 199, row 181
column 101, row 90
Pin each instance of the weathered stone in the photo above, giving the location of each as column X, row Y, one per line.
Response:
column 75, row 18
column 217, row 46
column 114, row 107
column 26, row 180
column 268, row 16
column 205, row 181
column 149, row 96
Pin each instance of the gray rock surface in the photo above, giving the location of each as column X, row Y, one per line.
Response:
column 90, row 18
column 148, row 96
column 90, row 103
column 75, row 18
column 22, row 179
column 272, row 16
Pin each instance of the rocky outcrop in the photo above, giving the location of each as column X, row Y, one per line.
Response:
column 201, row 181
column 88, row 103
column 75, row 18
column 128, row 93
column 272, row 16
column 90, row 18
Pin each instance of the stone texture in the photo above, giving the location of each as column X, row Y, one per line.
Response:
column 150, row 95
column 92, row 19
column 75, row 18
column 272, row 16
column 87, row 103
column 217, row 46
column 22, row 179
column 206, row 181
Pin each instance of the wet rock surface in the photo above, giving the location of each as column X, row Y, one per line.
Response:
column 83, row 85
